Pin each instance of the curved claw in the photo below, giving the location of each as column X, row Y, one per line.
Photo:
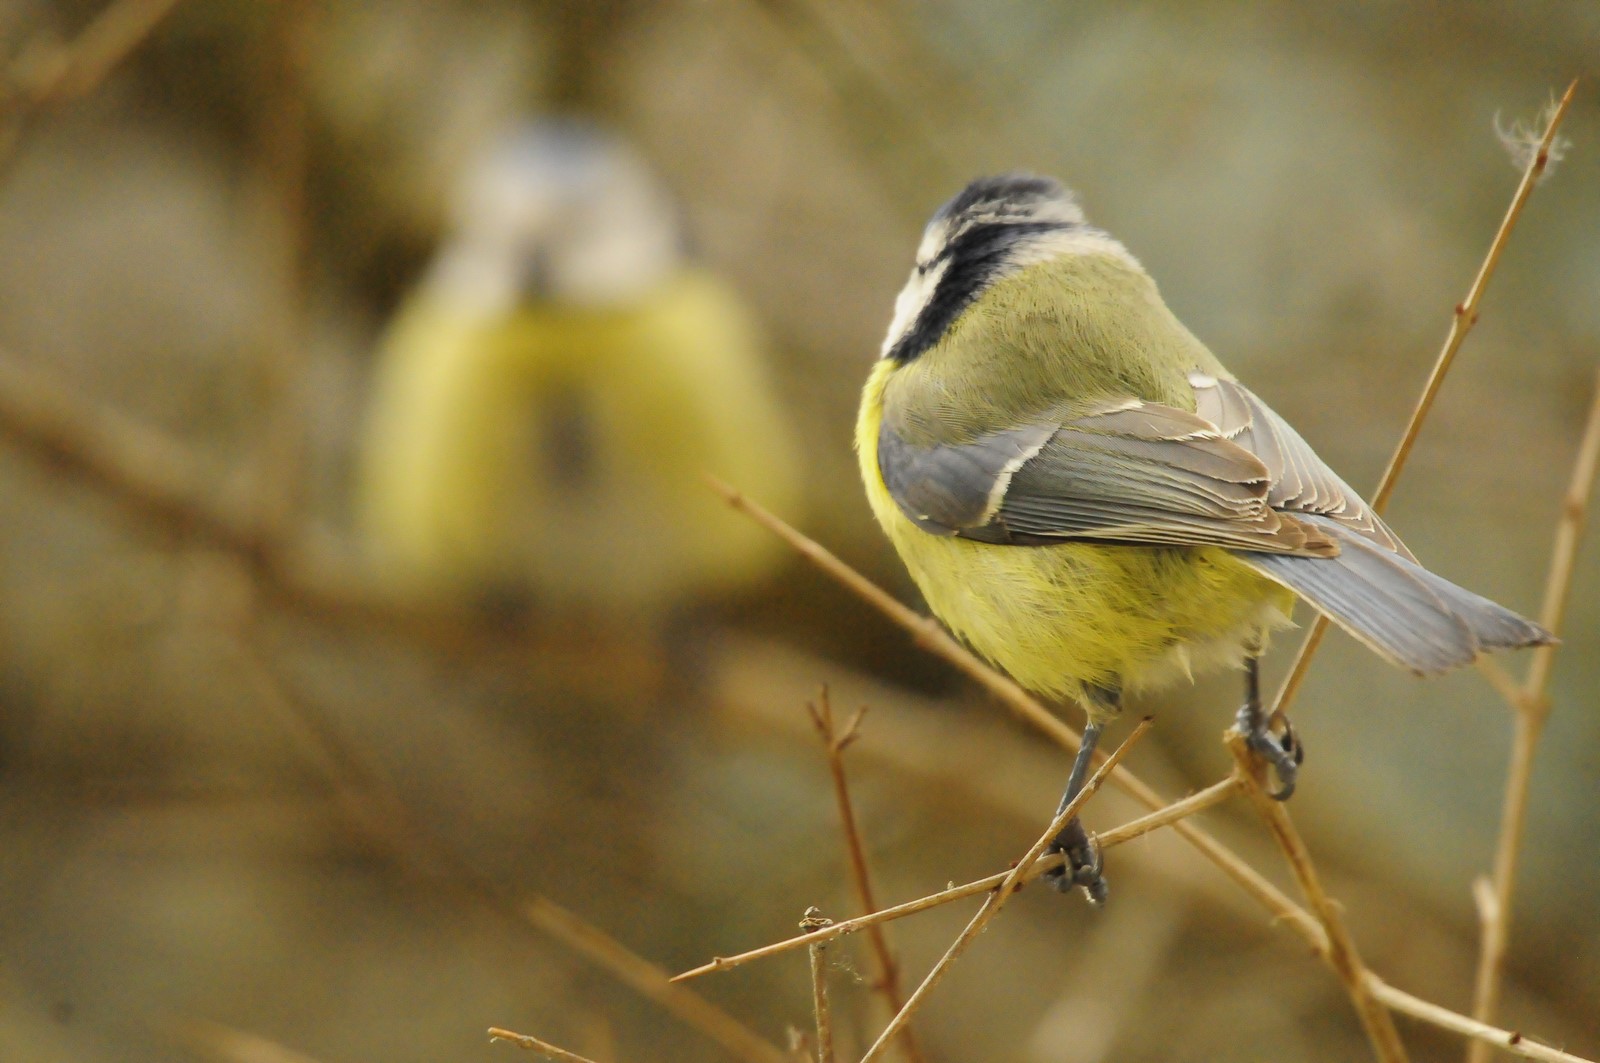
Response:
column 1285, row 754
column 1083, row 866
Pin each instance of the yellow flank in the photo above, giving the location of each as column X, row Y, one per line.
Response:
column 1060, row 619
column 560, row 449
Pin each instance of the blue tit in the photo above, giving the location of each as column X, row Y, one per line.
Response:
column 1088, row 498
column 548, row 400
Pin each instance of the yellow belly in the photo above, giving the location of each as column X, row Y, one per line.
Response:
column 1063, row 619
column 460, row 487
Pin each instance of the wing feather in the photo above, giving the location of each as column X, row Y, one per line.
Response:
column 1122, row 471
column 1301, row 481
column 1231, row 473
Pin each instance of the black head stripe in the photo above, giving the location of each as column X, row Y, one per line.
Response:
column 1002, row 194
column 977, row 258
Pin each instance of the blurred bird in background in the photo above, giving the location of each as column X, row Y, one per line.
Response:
column 549, row 397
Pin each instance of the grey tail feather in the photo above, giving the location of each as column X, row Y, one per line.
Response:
column 1396, row 607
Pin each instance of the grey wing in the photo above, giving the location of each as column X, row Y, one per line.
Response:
column 1233, row 474
column 1301, row 481
column 1374, row 589
column 1396, row 607
column 1125, row 471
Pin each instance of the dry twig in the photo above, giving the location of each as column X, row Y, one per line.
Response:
column 1466, row 315
column 1508, row 1041
column 1003, row 893
column 1341, row 951
column 648, row 980
column 931, row 637
column 533, row 1044
column 1531, row 705
column 1212, row 795
column 814, row 920
column 887, row 980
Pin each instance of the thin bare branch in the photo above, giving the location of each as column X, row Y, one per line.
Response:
column 1466, row 315
column 1341, row 953
column 1532, row 705
column 1507, row 1041
column 1564, row 555
column 1199, row 801
column 814, row 920
column 648, row 980
column 533, row 1044
column 930, row 636
column 1504, row 683
column 887, row 978
column 1212, row 795
column 997, row 900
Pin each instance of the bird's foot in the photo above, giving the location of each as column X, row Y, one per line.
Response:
column 1083, row 865
column 1284, row 752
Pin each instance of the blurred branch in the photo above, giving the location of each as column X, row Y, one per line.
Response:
column 379, row 812
column 146, row 471
column 49, row 75
column 834, row 742
column 229, row 1045
column 1003, row 893
column 585, row 36
column 165, row 483
column 533, row 1044
column 1211, row 795
column 868, row 101
column 281, row 147
column 1532, row 705
column 1466, row 315
column 1341, row 951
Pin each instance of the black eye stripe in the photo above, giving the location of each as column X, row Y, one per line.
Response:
column 977, row 256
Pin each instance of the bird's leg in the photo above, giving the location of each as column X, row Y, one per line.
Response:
column 1083, row 855
column 1285, row 753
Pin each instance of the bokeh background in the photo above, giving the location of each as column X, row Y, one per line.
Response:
column 298, row 810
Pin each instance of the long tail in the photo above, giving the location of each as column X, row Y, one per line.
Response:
column 1396, row 607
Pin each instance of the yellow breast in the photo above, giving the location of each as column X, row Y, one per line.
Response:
column 466, row 480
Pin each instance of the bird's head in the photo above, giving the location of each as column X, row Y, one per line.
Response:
column 989, row 230
column 560, row 211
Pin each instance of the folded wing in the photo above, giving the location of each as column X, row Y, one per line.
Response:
column 1123, row 471
column 1231, row 474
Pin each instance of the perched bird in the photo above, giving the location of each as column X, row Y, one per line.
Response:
column 548, row 400
column 1086, row 496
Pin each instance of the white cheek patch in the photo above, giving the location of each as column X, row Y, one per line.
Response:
column 933, row 240
column 908, row 305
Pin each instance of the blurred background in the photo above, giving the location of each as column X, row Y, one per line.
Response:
column 252, row 774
